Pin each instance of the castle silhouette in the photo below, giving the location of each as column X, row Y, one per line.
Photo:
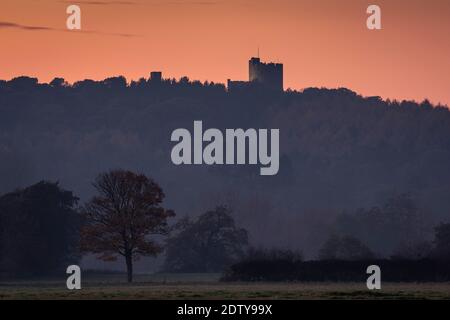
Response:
column 268, row 76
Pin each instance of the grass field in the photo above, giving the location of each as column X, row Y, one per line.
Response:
column 201, row 286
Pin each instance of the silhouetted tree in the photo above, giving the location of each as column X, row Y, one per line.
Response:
column 344, row 248
column 38, row 230
column 2, row 240
column 23, row 83
column 208, row 244
column 397, row 224
column 115, row 83
column 442, row 241
column 414, row 251
column 123, row 216
column 58, row 83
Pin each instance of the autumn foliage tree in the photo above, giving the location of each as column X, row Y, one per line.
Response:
column 124, row 218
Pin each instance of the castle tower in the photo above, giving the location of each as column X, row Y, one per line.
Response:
column 253, row 68
column 270, row 75
column 156, row 76
column 266, row 75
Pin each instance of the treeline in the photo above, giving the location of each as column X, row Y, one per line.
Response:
column 397, row 228
column 426, row 270
column 43, row 229
column 339, row 151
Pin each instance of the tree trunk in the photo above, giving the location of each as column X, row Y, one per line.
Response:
column 129, row 261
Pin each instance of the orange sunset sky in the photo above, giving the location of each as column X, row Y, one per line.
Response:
column 322, row 43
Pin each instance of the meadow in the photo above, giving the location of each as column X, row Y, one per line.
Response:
column 208, row 286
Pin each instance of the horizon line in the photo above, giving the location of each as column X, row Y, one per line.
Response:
column 129, row 81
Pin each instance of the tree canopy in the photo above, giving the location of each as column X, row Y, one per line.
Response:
column 38, row 231
column 209, row 243
column 122, row 218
